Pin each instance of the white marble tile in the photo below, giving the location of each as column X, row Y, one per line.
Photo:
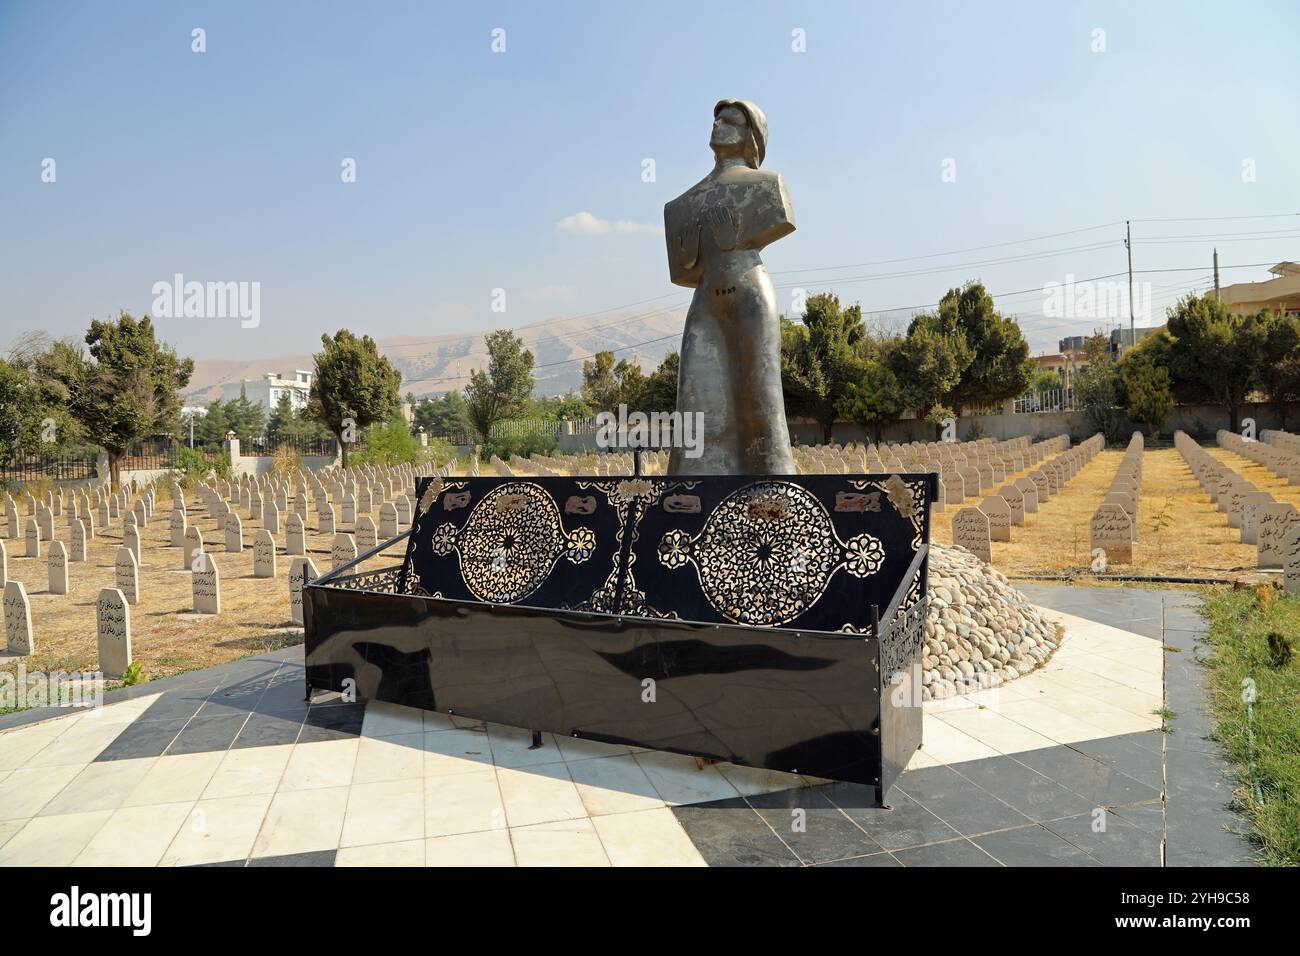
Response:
column 680, row 779
column 560, row 843
column 52, row 841
column 135, row 836
column 462, row 803
column 218, row 830
column 484, row 848
column 175, row 779
column 24, row 792
column 389, row 720
column 614, row 784
column 996, row 731
column 945, row 744
column 100, row 786
column 751, row 781
column 405, row 853
column 576, row 748
column 539, row 795
column 249, row 770
column 459, row 750
column 302, row 821
column 511, row 747
column 388, row 812
column 646, row 838
column 320, row 764
column 397, row 757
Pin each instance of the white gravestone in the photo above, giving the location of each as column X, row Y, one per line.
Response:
column 78, row 541
column 970, row 530
column 192, row 548
column 1111, row 530
column 998, row 512
column 388, row 521
column 234, row 533
column 1291, row 560
column 271, row 517
column 18, row 619
column 131, row 539
column 300, row 573
column 178, row 526
column 343, row 550
column 367, row 536
column 295, row 537
column 33, row 539
column 263, row 555
column 113, row 629
column 4, row 565
column 58, row 566
column 205, row 584
column 325, row 520
column 127, row 574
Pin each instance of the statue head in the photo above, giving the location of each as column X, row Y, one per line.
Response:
column 739, row 128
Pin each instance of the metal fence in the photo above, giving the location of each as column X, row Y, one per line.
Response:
column 305, row 445
column 62, row 466
column 1048, row 400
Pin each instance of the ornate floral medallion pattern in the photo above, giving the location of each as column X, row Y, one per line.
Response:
column 917, row 517
column 767, row 552
column 510, row 542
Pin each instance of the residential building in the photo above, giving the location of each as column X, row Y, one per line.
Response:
column 1279, row 294
column 266, row 391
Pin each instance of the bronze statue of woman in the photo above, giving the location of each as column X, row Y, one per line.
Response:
column 731, row 347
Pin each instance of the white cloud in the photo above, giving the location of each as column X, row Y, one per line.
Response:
column 585, row 224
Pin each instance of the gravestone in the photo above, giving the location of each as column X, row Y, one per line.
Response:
column 113, row 630
column 18, row 619
column 264, row 554
column 1291, row 560
column 349, row 509
column 131, row 539
column 45, row 522
column 998, row 512
column 271, row 517
column 970, row 530
column 343, row 550
column 1015, row 499
column 205, row 585
column 301, row 571
column 295, row 537
column 192, row 548
column 1111, row 529
column 78, row 541
column 1250, row 516
column 4, row 565
column 367, row 535
column 405, row 508
column 178, row 525
column 325, row 520
column 234, row 534
column 126, row 574
column 388, row 521
column 33, row 539
column 58, row 567
column 1042, row 485
column 1274, row 521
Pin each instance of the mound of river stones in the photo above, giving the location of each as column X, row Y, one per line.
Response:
column 979, row 630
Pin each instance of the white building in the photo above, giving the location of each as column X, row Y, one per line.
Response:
column 266, row 391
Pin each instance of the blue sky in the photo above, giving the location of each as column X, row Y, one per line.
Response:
column 225, row 165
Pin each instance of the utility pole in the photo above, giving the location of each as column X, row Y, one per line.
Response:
column 1128, row 244
column 1216, row 273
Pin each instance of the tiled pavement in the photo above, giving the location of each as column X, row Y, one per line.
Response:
column 230, row 766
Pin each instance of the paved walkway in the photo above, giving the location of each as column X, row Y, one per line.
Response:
column 229, row 766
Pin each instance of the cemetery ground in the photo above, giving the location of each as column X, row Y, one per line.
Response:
column 166, row 638
column 1181, row 533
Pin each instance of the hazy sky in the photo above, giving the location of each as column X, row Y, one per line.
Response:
column 523, row 170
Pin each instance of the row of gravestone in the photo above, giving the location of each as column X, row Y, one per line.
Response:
column 976, row 528
column 964, row 477
column 1261, row 520
column 1113, row 527
column 1278, row 457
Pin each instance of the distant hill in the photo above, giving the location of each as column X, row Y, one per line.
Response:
column 442, row 363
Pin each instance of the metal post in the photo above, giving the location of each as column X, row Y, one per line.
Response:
column 1128, row 244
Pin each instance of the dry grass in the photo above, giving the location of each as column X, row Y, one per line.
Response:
column 1180, row 533
column 165, row 638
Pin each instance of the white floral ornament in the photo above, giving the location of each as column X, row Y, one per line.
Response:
column 866, row 555
column 581, row 544
column 675, row 549
column 444, row 539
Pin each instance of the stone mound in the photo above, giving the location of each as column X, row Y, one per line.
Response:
column 979, row 630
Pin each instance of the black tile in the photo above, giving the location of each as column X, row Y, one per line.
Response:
column 731, row 833
column 318, row 858
column 1137, row 755
column 812, row 826
column 173, row 706
column 1118, row 844
column 906, row 824
column 958, row 802
column 952, row 853
column 1033, row 846
column 207, row 734
column 1147, row 817
column 332, row 722
column 1030, row 792
column 871, row 859
column 268, row 730
column 1095, row 781
column 143, row 738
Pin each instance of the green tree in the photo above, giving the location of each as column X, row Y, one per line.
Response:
column 606, row 384
column 503, row 389
column 1278, row 373
column 660, row 392
column 568, row 406
column 928, row 366
column 353, row 388
column 127, row 388
column 1144, row 380
column 1097, row 390
column 820, row 358
column 246, row 419
column 996, row 356
column 1045, row 381
column 1214, row 355
column 874, row 399
column 443, row 416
